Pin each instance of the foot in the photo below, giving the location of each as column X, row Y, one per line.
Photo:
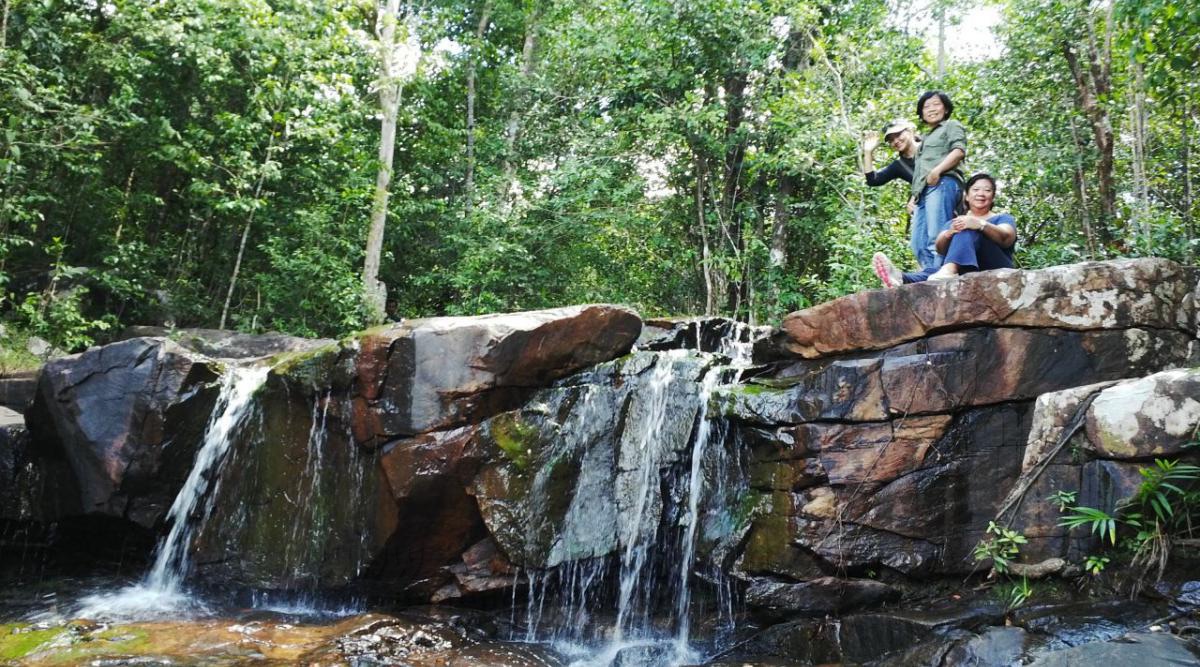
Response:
column 888, row 274
column 944, row 273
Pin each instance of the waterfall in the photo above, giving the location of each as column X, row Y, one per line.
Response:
column 162, row 589
column 670, row 462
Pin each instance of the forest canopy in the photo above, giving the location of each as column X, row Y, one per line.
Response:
column 206, row 162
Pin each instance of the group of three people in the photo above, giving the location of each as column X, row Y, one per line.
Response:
column 945, row 242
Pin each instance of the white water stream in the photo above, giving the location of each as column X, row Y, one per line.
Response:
column 162, row 591
column 655, row 578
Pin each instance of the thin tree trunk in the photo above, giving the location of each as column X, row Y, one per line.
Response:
column 512, row 129
column 374, row 291
column 1186, row 158
column 1089, row 91
column 1141, row 185
column 237, row 262
column 705, row 248
column 484, row 20
column 4, row 27
column 1081, row 190
column 124, row 208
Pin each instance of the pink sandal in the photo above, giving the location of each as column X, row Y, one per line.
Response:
column 888, row 274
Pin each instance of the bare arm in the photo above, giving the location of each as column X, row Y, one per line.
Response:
column 1002, row 235
column 870, row 143
column 949, row 162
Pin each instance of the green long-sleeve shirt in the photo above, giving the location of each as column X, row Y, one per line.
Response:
column 934, row 148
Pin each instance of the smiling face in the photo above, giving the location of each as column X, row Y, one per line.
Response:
column 933, row 111
column 901, row 140
column 981, row 195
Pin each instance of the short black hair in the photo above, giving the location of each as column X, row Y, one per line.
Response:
column 941, row 96
column 982, row 176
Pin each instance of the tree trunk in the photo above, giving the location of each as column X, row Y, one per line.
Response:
column 705, row 248
column 734, row 161
column 374, row 291
column 237, row 262
column 1081, row 191
column 1141, row 182
column 484, row 20
column 4, row 27
column 512, row 129
column 1091, row 85
column 1186, row 159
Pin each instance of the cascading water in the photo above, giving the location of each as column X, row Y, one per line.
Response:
column 162, row 590
column 671, row 464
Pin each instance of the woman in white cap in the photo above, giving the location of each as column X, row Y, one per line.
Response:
column 901, row 135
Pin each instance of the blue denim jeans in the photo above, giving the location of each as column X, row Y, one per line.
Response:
column 972, row 251
column 935, row 210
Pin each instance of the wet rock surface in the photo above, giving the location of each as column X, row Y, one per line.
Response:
column 222, row 344
column 127, row 418
column 493, row 458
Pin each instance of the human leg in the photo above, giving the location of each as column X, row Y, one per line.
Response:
column 890, row 276
column 972, row 250
column 939, row 211
column 917, row 241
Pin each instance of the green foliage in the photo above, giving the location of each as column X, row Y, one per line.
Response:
column 676, row 157
column 1014, row 594
column 1095, row 564
column 1100, row 522
column 1160, row 510
column 1002, row 548
column 1063, row 499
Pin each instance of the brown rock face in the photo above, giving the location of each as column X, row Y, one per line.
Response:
column 899, row 458
column 1093, row 441
column 128, row 418
column 444, row 372
column 372, row 446
column 1154, row 293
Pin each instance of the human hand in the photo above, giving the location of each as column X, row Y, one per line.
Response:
column 912, row 206
column 870, row 141
column 966, row 222
column 933, row 177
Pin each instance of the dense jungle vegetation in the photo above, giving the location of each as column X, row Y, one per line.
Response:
column 214, row 162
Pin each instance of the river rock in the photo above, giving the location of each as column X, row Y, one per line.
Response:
column 912, row 495
column 825, row 595
column 364, row 467
column 579, row 470
column 224, row 344
column 1155, row 416
column 1144, row 649
column 439, row 373
column 127, row 417
column 1149, row 293
column 947, row 372
column 17, row 390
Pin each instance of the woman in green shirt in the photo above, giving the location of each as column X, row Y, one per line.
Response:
column 937, row 181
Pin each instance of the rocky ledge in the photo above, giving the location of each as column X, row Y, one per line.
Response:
column 865, row 452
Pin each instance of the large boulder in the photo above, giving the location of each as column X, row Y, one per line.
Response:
column 444, row 372
column 224, row 344
column 1093, row 441
column 1151, row 293
column 127, row 418
column 366, row 459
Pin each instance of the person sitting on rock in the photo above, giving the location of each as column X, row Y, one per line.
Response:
column 902, row 137
column 980, row 240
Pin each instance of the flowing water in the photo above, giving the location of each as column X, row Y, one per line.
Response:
column 673, row 476
column 162, row 591
column 640, row 609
